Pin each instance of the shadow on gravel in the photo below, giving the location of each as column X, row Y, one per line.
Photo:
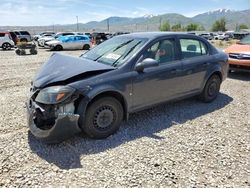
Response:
column 142, row 124
column 244, row 76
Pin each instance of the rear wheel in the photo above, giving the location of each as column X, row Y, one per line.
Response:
column 6, row 46
column 103, row 118
column 86, row 47
column 211, row 89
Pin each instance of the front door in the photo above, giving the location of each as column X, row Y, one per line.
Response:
column 161, row 83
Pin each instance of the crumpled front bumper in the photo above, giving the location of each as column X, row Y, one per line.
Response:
column 66, row 125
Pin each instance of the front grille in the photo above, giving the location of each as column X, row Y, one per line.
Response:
column 239, row 56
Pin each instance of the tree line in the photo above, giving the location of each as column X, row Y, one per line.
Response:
column 218, row 25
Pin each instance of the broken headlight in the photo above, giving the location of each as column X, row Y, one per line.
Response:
column 54, row 94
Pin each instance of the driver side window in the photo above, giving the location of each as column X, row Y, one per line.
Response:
column 162, row 51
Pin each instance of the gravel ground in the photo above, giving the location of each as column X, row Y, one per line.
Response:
column 181, row 144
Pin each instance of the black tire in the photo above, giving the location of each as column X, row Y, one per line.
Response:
column 33, row 51
column 102, row 118
column 58, row 48
column 211, row 89
column 18, row 51
column 86, row 47
column 22, row 52
column 6, row 46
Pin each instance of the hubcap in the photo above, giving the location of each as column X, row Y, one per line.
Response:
column 104, row 117
column 212, row 89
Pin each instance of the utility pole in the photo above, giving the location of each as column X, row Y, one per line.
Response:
column 77, row 26
column 160, row 22
column 108, row 24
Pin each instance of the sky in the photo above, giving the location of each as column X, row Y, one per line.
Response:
column 49, row 12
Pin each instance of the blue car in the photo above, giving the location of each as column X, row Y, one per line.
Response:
column 71, row 42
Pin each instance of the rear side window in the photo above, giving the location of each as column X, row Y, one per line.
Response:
column 17, row 33
column 24, row 33
column 193, row 48
column 2, row 34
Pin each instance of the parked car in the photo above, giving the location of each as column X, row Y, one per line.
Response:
column 206, row 36
column 119, row 33
column 239, row 55
column 94, row 93
column 221, row 36
column 13, row 37
column 6, row 42
column 41, row 41
column 46, row 33
column 99, row 37
column 72, row 42
column 23, row 36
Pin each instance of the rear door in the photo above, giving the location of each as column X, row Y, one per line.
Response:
column 196, row 61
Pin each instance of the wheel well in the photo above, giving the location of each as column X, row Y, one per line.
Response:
column 114, row 94
column 218, row 73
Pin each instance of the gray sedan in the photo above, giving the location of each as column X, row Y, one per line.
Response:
column 94, row 93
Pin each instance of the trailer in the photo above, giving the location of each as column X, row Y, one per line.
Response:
column 23, row 46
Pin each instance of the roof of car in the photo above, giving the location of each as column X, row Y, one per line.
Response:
column 151, row 35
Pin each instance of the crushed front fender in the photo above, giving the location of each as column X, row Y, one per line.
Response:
column 66, row 125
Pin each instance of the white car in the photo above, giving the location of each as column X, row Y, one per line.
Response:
column 6, row 42
column 221, row 37
column 40, row 35
column 72, row 42
column 41, row 41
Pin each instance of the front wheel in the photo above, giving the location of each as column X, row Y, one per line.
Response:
column 58, row 48
column 211, row 89
column 102, row 119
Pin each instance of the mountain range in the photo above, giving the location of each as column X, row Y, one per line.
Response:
column 151, row 22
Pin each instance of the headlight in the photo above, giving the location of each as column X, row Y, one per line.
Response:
column 54, row 94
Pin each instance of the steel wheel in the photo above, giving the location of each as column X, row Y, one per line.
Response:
column 102, row 119
column 211, row 89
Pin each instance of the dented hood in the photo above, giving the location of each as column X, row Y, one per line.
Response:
column 62, row 67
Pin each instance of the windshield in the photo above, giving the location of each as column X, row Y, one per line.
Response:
column 115, row 51
column 245, row 40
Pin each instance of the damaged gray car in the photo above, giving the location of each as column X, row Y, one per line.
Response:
column 94, row 93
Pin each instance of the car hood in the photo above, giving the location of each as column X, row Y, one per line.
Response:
column 61, row 67
column 46, row 38
column 238, row 48
column 53, row 42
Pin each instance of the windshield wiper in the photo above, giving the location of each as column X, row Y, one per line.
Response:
column 123, row 44
column 131, row 49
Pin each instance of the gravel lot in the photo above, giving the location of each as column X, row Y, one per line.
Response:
column 181, row 144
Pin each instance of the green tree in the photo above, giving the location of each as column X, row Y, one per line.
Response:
column 201, row 28
column 176, row 27
column 219, row 25
column 243, row 26
column 165, row 26
column 192, row 27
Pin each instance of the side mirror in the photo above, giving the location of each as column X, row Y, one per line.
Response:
column 146, row 63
